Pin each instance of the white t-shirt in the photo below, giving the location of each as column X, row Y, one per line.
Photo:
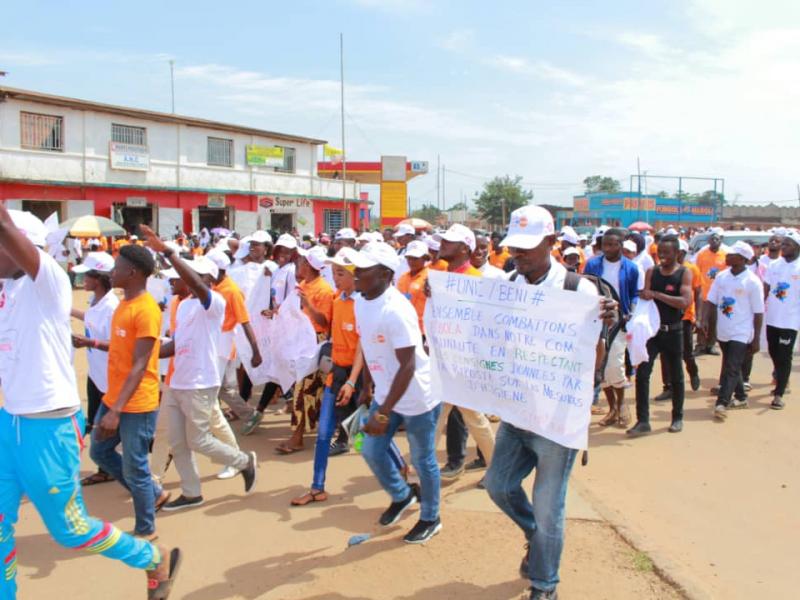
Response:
column 491, row 271
column 97, row 320
column 36, row 373
column 738, row 298
column 283, row 282
column 197, row 332
column 644, row 260
column 385, row 324
column 611, row 272
column 783, row 302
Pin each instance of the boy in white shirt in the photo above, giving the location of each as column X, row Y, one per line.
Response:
column 738, row 294
column 782, row 283
column 192, row 394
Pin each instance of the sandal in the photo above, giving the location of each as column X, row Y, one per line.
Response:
column 160, row 590
column 609, row 419
column 310, row 497
column 286, row 449
column 165, row 496
column 95, row 478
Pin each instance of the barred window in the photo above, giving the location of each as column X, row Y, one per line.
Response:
column 333, row 220
column 128, row 134
column 220, row 152
column 42, row 132
column 288, row 161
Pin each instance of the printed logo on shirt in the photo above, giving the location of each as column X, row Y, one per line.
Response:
column 781, row 291
column 712, row 272
column 348, row 326
column 379, row 339
column 669, row 288
column 121, row 333
column 726, row 308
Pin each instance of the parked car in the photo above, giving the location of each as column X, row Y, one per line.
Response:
column 728, row 238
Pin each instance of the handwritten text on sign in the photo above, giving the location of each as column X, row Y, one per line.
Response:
column 525, row 353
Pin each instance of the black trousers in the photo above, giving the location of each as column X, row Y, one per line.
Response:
column 669, row 344
column 456, row 439
column 93, row 397
column 731, row 380
column 706, row 341
column 688, row 356
column 781, row 345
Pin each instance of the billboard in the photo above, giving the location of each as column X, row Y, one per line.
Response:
column 128, row 157
column 264, row 156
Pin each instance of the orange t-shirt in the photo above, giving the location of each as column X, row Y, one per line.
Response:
column 320, row 295
column 688, row 314
column 197, row 251
column 653, row 252
column 499, row 260
column 344, row 336
column 134, row 319
column 439, row 265
column 235, row 309
column 709, row 263
column 117, row 245
column 467, row 269
column 556, row 253
column 413, row 288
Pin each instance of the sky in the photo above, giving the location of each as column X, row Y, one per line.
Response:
column 550, row 91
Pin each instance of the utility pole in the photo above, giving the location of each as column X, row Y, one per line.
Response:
column 172, row 82
column 444, row 189
column 639, row 179
column 345, row 220
column 438, row 176
column 503, row 206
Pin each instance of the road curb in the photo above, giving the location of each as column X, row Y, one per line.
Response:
column 675, row 575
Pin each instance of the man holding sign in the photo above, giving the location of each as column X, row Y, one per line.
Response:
column 518, row 347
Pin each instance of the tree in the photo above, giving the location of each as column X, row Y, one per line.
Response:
column 597, row 184
column 458, row 206
column 429, row 212
column 499, row 191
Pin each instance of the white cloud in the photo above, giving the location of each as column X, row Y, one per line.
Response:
column 539, row 68
column 458, row 40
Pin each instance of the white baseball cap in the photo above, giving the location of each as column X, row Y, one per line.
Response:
column 528, row 226
column 260, row 237
column 716, row 230
column 568, row 234
column 373, row 254
column 366, row 237
column 343, row 258
column 219, row 258
column 432, row 243
column 571, row 251
column 30, row 225
column 417, row 249
column 170, row 274
column 345, row 234
column 102, row 262
column 243, row 249
column 287, row 241
column 742, row 248
column 404, row 229
column 316, row 256
column 630, row 246
column 683, row 245
column 793, row 235
column 203, row 266
column 458, row 233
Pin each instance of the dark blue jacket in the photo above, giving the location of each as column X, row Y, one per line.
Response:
column 628, row 280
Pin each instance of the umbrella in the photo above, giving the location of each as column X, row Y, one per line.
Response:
column 640, row 226
column 417, row 223
column 221, row 231
column 89, row 226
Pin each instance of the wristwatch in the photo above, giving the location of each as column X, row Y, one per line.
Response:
column 352, row 384
column 381, row 418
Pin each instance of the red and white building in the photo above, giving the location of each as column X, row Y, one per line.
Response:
column 169, row 171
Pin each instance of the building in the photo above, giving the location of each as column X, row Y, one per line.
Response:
column 625, row 208
column 137, row 166
column 760, row 217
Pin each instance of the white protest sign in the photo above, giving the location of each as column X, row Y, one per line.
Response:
column 524, row 353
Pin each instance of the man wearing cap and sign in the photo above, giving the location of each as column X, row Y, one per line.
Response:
column 738, row 294
column 530, row 240
column 41, row 423
column 192, row 394
column 782, row 285
column 400, row 369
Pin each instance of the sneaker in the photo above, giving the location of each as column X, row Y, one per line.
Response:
column 747, row 386
column 452, row 471
column 676, row 426
column 252, row 423
column 739, row 403
column 777, row 403
column 338, row 448
column 423, row 531
column 664, row 396
column 227, row 473
column 523, row 566
column 694, row 381
column 720, row 412
column 542, row 595
column 476, row 465
column 249, row 473
column 396, row 509
column 639, row 429
column 182, row 502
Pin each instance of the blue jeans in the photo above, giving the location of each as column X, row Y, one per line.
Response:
column 40, row 458
column 132, row 467
column 421, row 432
column 517, row 452
column 325, row 430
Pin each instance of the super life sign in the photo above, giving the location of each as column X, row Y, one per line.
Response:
column 524, row 353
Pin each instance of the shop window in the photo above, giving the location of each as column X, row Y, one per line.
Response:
column 128, row 134
column 42, row 132
column 333, row 220
column 288, row 161
column 220, row 152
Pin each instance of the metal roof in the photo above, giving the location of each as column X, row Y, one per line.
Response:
column 137, row 113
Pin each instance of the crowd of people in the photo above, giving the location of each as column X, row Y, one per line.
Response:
column 168, row 325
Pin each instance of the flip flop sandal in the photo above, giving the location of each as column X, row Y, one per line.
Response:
column 95, row 478
column 286, row 450
column 160, row 590
column 160, row 503
column 310, row 498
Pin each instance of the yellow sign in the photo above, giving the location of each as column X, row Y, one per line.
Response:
column 394, row 202
column 264, row 156
column 332, row 152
